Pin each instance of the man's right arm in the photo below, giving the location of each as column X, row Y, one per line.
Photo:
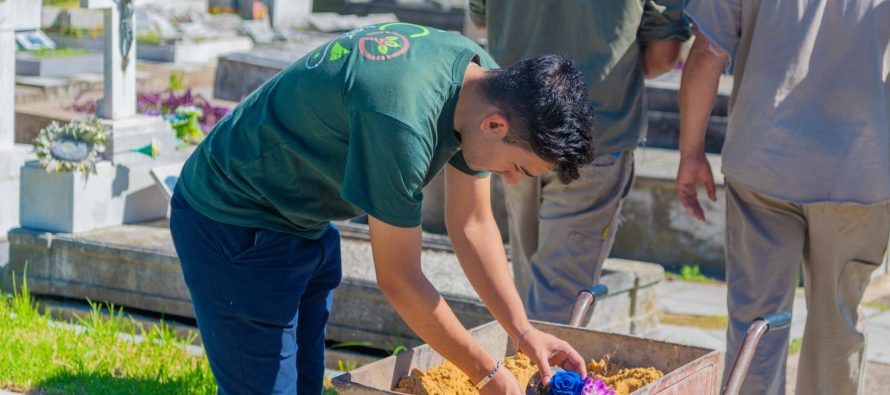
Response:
column 698, row 89
column 477, row 13
column 396, row 252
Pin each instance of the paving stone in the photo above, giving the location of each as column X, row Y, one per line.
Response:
column 688, row 298
column 879, row 338
column 707, row 338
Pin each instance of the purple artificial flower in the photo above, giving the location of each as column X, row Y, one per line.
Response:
column 595, row 386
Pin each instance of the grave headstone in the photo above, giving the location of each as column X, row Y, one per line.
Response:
column 15, row 15
column 260, row 31
column 120, row 57
column 122, row 190
column 289, row 13
column 84, row 19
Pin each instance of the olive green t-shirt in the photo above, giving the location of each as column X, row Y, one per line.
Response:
column 357, row 126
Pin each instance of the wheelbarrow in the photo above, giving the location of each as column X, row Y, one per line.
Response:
column 586, row 301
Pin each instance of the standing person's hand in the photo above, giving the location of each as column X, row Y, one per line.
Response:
column 547, row 350
column 694, row 171
column 502, row 383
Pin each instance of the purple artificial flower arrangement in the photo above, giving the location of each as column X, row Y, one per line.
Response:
column 166, row 103
column 571, row 383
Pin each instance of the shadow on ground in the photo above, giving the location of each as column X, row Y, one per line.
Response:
column 69, row 383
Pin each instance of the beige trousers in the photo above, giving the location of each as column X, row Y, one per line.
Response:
column 837, row 246
column 561, row 234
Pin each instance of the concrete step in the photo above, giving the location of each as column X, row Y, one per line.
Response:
column 135, row 266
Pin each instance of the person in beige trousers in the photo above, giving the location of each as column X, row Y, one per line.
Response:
column 560, row 235
column 807, row 168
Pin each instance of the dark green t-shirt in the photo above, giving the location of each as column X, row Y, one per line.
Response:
column 358, row 126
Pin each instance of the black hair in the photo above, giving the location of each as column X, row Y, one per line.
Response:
column 545, row 99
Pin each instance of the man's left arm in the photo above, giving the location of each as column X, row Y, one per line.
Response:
column 663, row 28
column 480, row 250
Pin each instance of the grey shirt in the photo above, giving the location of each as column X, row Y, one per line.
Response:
column 810, row 108
column 605, row 37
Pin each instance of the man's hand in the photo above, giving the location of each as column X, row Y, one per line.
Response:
column 502, row 383
column 694, row 171
column 698, row 88
column 546, row 350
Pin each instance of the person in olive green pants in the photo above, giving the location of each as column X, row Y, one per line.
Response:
column 560, row 235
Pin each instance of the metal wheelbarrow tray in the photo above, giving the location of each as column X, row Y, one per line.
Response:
column 687, row 369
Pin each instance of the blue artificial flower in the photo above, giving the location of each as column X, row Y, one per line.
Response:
column 566, row 383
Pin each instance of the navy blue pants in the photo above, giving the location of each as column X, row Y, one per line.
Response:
column 262, row 300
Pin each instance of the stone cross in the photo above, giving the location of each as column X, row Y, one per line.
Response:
column 14, row 15
column 120, row 57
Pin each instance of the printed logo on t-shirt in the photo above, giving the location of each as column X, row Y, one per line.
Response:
column 377, row 42
column 377, row 45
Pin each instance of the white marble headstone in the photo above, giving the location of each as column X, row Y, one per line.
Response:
column 290, row 13
column 120, row 57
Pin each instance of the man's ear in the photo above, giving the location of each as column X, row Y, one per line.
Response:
column 495, row 124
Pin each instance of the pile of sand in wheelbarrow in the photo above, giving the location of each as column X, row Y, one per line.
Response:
column 447, row 379
column 621, row 379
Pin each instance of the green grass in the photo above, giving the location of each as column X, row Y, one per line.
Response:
column 42, row 356
column 715, row 322
column 690, row 273
column 108, row 354
column 794, row 345
column 882, row 307
column 62, row 3
column 71, row 31
column 152, row 38
column 59, row 53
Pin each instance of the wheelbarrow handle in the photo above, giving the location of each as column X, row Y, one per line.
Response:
column 777, row 320
column 586, row 300
column 761, row 325
column 598, row 291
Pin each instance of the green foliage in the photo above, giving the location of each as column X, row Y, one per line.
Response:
column 175, row 82
column 345, row 366
column 59, row 53
column 877, row 305
column 794, row 345
column 151, row 38
column 40, row 355
column 399, row 347
column 690, row 273
column 62, row 3
column 186, row 124
column 351, row 344
column 107, row 354
column 71, row 31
